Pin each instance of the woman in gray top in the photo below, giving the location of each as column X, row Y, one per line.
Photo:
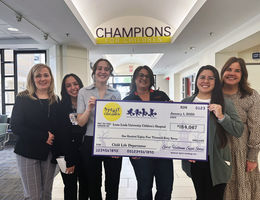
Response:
column 102, row 70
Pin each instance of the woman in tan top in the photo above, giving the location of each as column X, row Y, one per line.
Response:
column 245, row 181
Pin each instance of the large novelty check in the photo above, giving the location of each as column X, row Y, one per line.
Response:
column 149, row 129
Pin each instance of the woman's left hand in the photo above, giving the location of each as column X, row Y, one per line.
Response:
column 250, row 166
column 70, row 170
column 217, row 110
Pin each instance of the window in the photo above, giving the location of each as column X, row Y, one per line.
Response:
column 15, row 66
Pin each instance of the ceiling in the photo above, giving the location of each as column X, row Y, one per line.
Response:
column 204, row 23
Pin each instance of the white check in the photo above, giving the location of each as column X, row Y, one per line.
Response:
column 149, row 129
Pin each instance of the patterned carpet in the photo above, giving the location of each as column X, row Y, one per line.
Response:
column 10, row 183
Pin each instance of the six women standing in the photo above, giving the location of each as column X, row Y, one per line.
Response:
column 36, row 114
column 34, row 121
column 148, row 168
column 92, row 165
column 210, row 177
column 245, row 180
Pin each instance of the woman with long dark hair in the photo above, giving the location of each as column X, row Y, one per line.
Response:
column 69, row 139
column 210, row 177
column 245, row 179
column 146, row 169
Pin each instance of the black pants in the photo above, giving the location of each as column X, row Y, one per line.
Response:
column 145, row 171
column 70, row 185
column 201, row 177
column 93, row 172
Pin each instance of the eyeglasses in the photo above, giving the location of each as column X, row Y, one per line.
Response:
column 209, row 78
column 143, row 75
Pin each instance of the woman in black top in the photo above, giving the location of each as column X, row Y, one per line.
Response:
column 33, row 121
column 148, row 168
column 70, row 138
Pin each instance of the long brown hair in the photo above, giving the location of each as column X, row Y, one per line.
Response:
column 244, row 86
column 216, row 98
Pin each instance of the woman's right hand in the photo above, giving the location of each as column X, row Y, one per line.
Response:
column 192, row 161
column 50, row 138
column 91, row 103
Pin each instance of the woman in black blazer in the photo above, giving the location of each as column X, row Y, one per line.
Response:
column 34, row 122
column 69, row 138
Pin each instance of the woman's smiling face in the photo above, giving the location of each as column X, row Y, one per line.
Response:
column 233, row 74
column 206, row 82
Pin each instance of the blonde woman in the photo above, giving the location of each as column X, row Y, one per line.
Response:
column 33, row 121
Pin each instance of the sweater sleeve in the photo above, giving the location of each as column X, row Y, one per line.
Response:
column 232, row 123
column 253, row 123
column 19, row 122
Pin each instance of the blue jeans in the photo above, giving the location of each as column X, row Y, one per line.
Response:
column 145, row 171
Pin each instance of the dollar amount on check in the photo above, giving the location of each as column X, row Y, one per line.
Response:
column 149, row 129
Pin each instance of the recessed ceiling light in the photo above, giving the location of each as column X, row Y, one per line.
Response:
column 12, row 29
column 192, row 48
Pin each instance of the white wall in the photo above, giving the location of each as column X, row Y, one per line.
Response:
column 211, row 56
column 253, row 70
column 162, row 83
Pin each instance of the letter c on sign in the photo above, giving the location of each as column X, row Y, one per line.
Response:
column 97, row 33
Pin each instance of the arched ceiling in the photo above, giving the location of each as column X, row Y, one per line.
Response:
column 205, row 23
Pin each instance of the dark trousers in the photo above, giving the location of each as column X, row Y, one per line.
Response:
column 93, row 172
column 145, row 171
column 201, row 177
column 70, row 185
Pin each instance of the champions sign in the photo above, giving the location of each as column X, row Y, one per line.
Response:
column 133, row 30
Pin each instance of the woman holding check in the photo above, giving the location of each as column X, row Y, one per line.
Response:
column 210, row 177
column 87, row 96
column 148, row 168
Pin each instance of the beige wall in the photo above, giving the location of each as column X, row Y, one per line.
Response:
column 75, row 60
column 253, row 70
column 69, row 59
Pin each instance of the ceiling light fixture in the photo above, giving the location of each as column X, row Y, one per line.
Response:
column 192, row 48
column 12, row 29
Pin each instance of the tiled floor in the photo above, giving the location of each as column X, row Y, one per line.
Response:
column 182, row 186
